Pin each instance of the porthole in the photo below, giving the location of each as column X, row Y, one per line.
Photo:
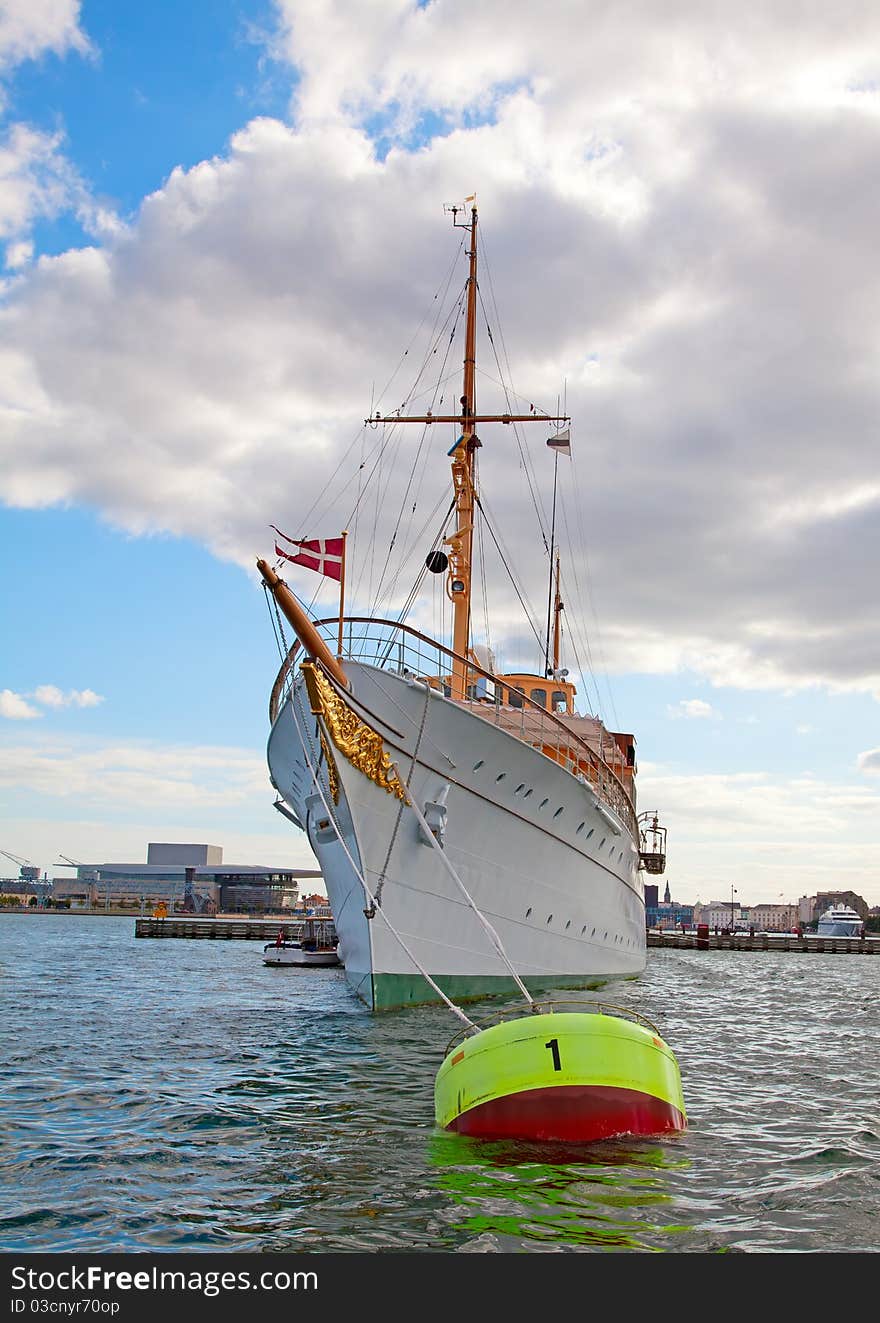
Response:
column 528, row 792
column 520, row 787
column 543, row 802
column 590, row 832
column 581, row 826
column 478, row 765
column 528, row 911
column 593, row 933
column 583, row 930
column 568, row 925
column 501, row 776
column 602, row 842
column 558, row 811
column 606, row 935
column 549, row 918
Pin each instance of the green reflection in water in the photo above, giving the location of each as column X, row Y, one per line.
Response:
column 605, row 1195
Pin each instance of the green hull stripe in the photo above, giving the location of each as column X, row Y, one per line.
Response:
column 537, row 1052
column 393, row 991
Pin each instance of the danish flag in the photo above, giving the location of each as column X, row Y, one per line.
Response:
column 321, row 554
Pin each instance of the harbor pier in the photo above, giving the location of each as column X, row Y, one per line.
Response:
column 810, row 943
column 232, row 929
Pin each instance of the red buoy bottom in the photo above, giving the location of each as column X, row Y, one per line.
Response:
column 580, row 1112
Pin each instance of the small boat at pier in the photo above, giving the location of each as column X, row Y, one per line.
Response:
column 314, row 947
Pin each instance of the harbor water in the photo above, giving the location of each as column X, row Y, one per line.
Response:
column 180, row 1096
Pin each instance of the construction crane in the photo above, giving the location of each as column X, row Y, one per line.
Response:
column 74, row 863
column 27, row 871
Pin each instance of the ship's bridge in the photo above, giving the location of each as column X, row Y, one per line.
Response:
column 549, row 692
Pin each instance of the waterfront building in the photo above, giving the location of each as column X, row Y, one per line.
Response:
column 15, row 891
column 722, row 914
column 195, row 856
column 774, row 918
column 665, row 913
column 823, row 900
column 184, row 877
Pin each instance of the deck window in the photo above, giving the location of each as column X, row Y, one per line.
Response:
column 539, row 696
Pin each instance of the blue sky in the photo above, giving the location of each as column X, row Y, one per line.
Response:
column 165, row 85
column 221, row 224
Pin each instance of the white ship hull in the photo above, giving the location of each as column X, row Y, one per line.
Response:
column 553, row 869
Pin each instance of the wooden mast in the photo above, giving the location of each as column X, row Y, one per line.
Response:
column 305, row 630
column 458, row 582
column 557, row 610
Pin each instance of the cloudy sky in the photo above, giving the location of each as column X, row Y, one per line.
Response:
column 221, row 225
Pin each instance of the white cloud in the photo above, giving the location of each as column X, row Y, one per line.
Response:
column 101, row 838
column 19, row 254
column 869, row 762
column 37, row 179
column 692, row 708
column 727, row 827
column 94, row 800
column 804, row 729
column 37, row 182
column 137, row 775
column 16, row 708
column 30, row 28
column 51, row 696
column 679, row 209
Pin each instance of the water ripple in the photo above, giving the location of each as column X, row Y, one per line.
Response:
column 179, row 1096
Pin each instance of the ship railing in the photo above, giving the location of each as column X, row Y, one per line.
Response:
column 403, row 650
column 548, row 1007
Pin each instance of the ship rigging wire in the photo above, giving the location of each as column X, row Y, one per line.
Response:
column 380, row 460
column 447, row 863
column 528, row 468
column 371, row 900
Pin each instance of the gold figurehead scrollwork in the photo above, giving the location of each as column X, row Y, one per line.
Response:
column 332, row 770
column 355, row 740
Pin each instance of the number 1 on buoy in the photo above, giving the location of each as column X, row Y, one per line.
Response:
column 553, row 1045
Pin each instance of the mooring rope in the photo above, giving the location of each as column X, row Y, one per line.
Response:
column 401, row 803
column 496, row 940
column 456, row 1010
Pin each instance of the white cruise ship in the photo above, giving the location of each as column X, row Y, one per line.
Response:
column 840, row 921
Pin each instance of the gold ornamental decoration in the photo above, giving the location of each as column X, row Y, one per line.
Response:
column 332, row 771
column 355, row 740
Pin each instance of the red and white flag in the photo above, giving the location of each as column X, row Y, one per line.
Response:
column 321, row 554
